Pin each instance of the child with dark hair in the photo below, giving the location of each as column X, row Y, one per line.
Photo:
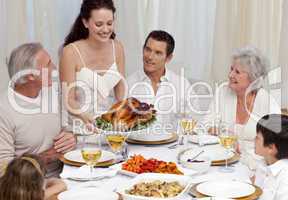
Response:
column 24, row 179
column 272, row 144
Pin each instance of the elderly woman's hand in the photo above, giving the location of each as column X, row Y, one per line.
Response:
column 237, row 148
column 213, row 131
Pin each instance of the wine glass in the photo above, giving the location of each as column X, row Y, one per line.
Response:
column 186, row 124
column 116, row 142
column 228, row 138
column 91, row 151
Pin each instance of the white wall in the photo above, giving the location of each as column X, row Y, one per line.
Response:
column 3, row 68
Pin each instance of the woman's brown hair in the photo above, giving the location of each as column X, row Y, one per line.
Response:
column 78, row 30
column 23, row 179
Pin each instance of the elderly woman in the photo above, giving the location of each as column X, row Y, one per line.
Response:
column 242, row 101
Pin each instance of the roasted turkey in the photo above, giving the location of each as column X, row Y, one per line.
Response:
column 127, row 113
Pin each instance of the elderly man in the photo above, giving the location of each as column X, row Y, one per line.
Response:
column 155, row 83
column 24, row 127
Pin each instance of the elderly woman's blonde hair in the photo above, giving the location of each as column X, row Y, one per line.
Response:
column 23, row 58
column 255, row 63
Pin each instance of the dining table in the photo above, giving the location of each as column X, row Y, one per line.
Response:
column 161, row 152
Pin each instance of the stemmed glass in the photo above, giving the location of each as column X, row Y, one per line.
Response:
column 228, row 138
column 185, row 126
column 91, row 151
column 116, row 142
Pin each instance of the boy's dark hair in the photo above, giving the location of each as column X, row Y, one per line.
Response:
column 162, row 36
column 274, row 129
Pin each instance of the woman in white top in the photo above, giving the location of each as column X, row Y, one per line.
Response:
column 242, row 101
column 93, row 60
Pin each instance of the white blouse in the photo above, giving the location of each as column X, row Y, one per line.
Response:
column 224, row 107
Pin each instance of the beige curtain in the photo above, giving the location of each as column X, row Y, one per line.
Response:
column 245, row 22
column 3, row 38
column 46, row 31
column 16, row 24
column 152, row 15
column 237, row 23
column 132, row 22
column 12, row 33
column 190, row 22
column 283, row 55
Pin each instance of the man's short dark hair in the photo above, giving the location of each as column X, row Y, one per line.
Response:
column 274, row 129
column 162, row 36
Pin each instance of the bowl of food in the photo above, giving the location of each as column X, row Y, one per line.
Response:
column 150, row 186
column 129, row 116
column 137, row 164
column 201, row 164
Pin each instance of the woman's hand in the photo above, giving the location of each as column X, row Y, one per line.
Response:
column 213, row 130
column 87, row 118
column 252, row 179
column 237, row 148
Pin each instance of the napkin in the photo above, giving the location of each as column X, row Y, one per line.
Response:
column 83, row 173
column 204, row 139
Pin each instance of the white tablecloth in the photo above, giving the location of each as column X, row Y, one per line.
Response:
column 241, row 172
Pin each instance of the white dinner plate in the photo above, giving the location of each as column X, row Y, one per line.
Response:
column 87, row 194
column 151, row 137
column 214, row 198
column 226, row 189
column 214, row 152
column 203, row 139
column 77, row 157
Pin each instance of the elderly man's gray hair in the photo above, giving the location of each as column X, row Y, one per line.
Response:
column 23, row 58
column 255, row 62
